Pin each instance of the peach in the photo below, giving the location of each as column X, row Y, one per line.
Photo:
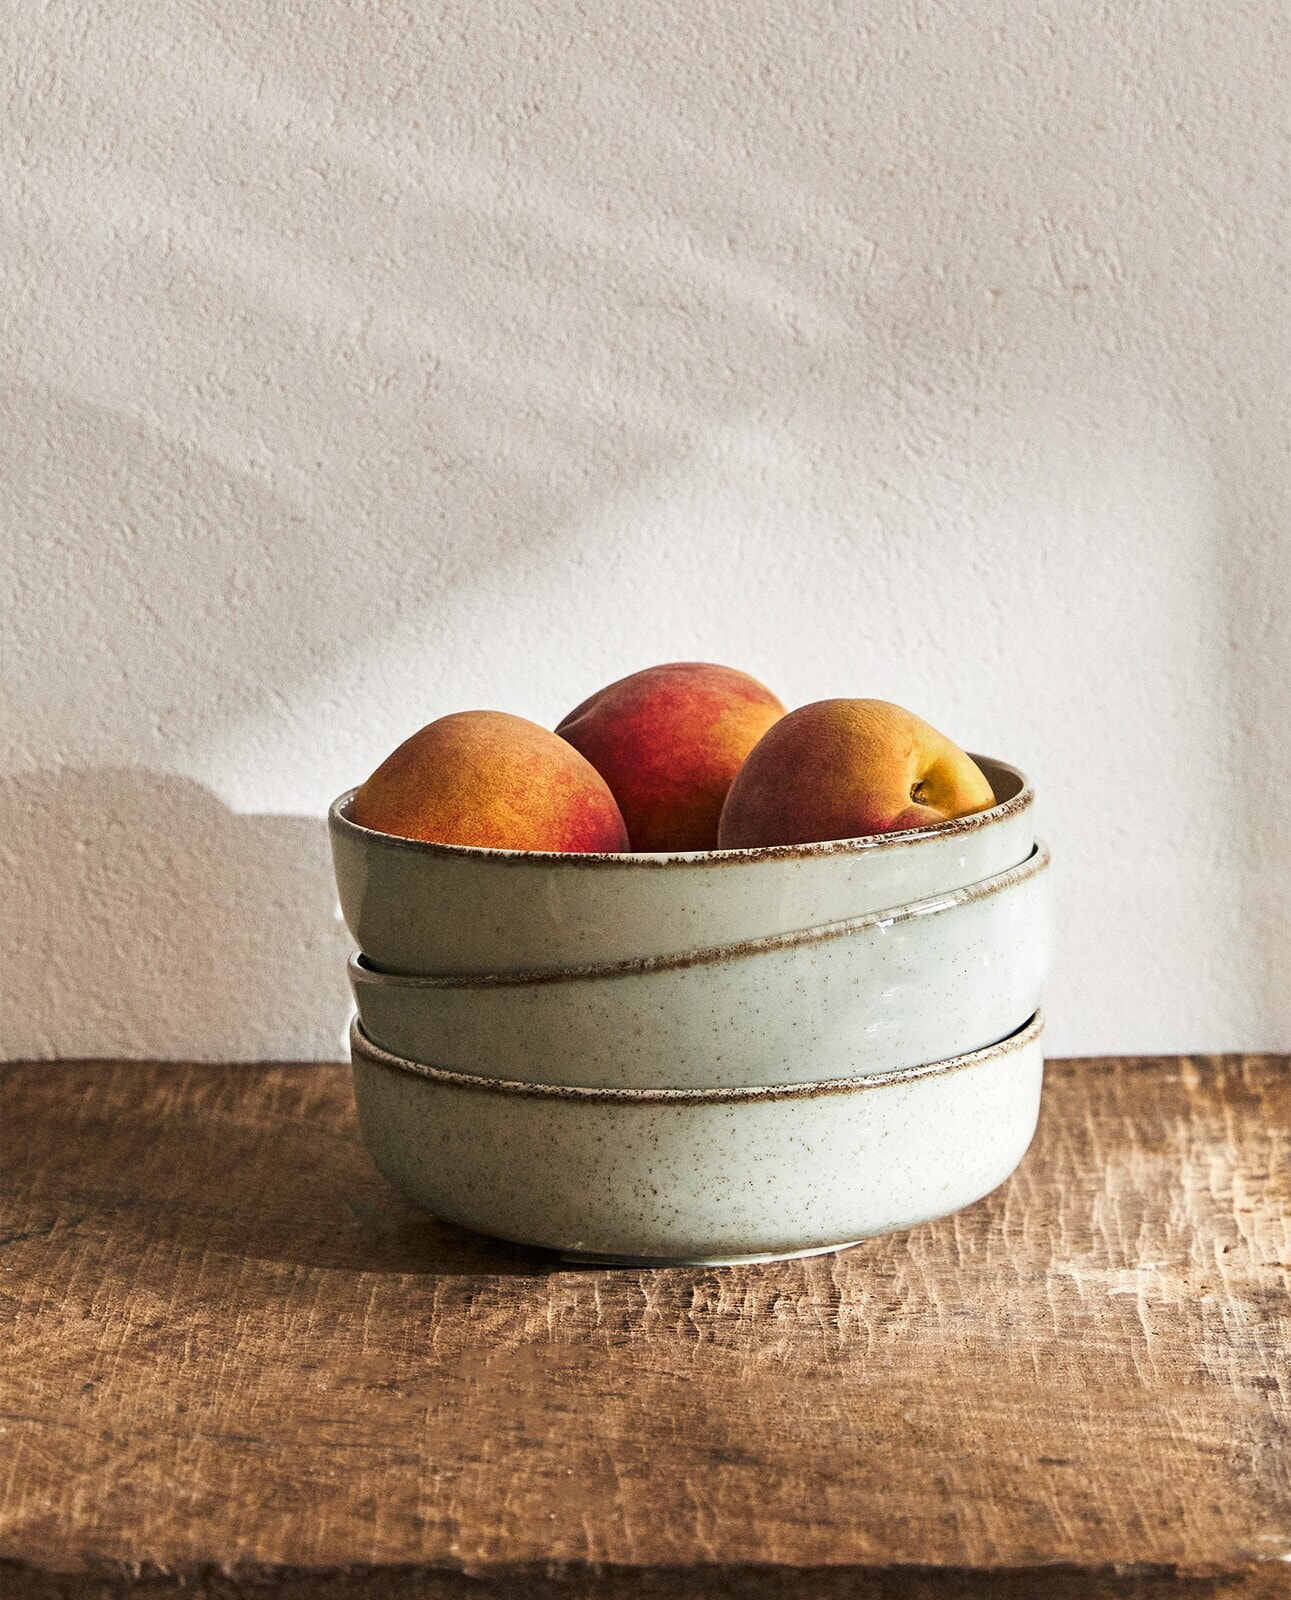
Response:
column 839, row 769
column 488, row 778
column 668, row 741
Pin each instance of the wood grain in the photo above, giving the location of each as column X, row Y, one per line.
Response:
column 233, row 1356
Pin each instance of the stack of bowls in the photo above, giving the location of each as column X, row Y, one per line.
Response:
column 713, row 1056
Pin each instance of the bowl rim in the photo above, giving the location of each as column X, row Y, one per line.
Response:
column 362, row 1049
column 339, row 821
column 362, row 972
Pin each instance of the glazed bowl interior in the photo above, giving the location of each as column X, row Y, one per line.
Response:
column 1008, row 784
column 423, row 908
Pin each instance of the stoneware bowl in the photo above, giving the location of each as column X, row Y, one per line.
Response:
column 878, row 993
column 707, row 1176
column 430, row 909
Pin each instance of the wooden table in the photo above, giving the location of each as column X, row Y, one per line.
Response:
column 234, row 1361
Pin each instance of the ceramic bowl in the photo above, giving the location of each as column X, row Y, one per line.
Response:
column 878, row 993
column 711, row 1175
column 428, row 908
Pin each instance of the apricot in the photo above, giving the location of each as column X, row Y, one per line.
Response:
column 668, row 741
column 840, row 769
column 488, row 778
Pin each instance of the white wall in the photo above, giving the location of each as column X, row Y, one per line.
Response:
column 360, row 364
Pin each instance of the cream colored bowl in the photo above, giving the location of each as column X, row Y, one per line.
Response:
column 877, row 993
column 429, row 909
column 711, row 1176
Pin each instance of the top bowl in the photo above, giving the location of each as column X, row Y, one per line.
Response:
column 434, row 909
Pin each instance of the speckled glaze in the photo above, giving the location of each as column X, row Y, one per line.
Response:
column 874, row 994
column 701, row 1176
column 430, row 909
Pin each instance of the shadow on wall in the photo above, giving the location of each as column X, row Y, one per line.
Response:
column 140, row 917
column 422, row 367
column 1255, row 592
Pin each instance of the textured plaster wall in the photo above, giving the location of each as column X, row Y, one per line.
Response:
column 364, row 363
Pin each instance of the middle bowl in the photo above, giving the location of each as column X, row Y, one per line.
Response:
column 874, row 994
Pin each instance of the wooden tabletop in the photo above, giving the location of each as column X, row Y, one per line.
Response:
column 232, row 1356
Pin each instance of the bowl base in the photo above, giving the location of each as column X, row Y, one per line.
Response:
column 591, row 1258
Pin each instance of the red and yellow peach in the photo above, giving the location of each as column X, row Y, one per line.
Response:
column 838, row 769
column 490, row 779
column 669, row 741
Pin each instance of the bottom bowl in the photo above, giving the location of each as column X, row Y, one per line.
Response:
column 706, row 1176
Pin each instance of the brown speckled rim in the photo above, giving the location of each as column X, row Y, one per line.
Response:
column 363, row 974
column 339, row 821
column 362, row 1049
